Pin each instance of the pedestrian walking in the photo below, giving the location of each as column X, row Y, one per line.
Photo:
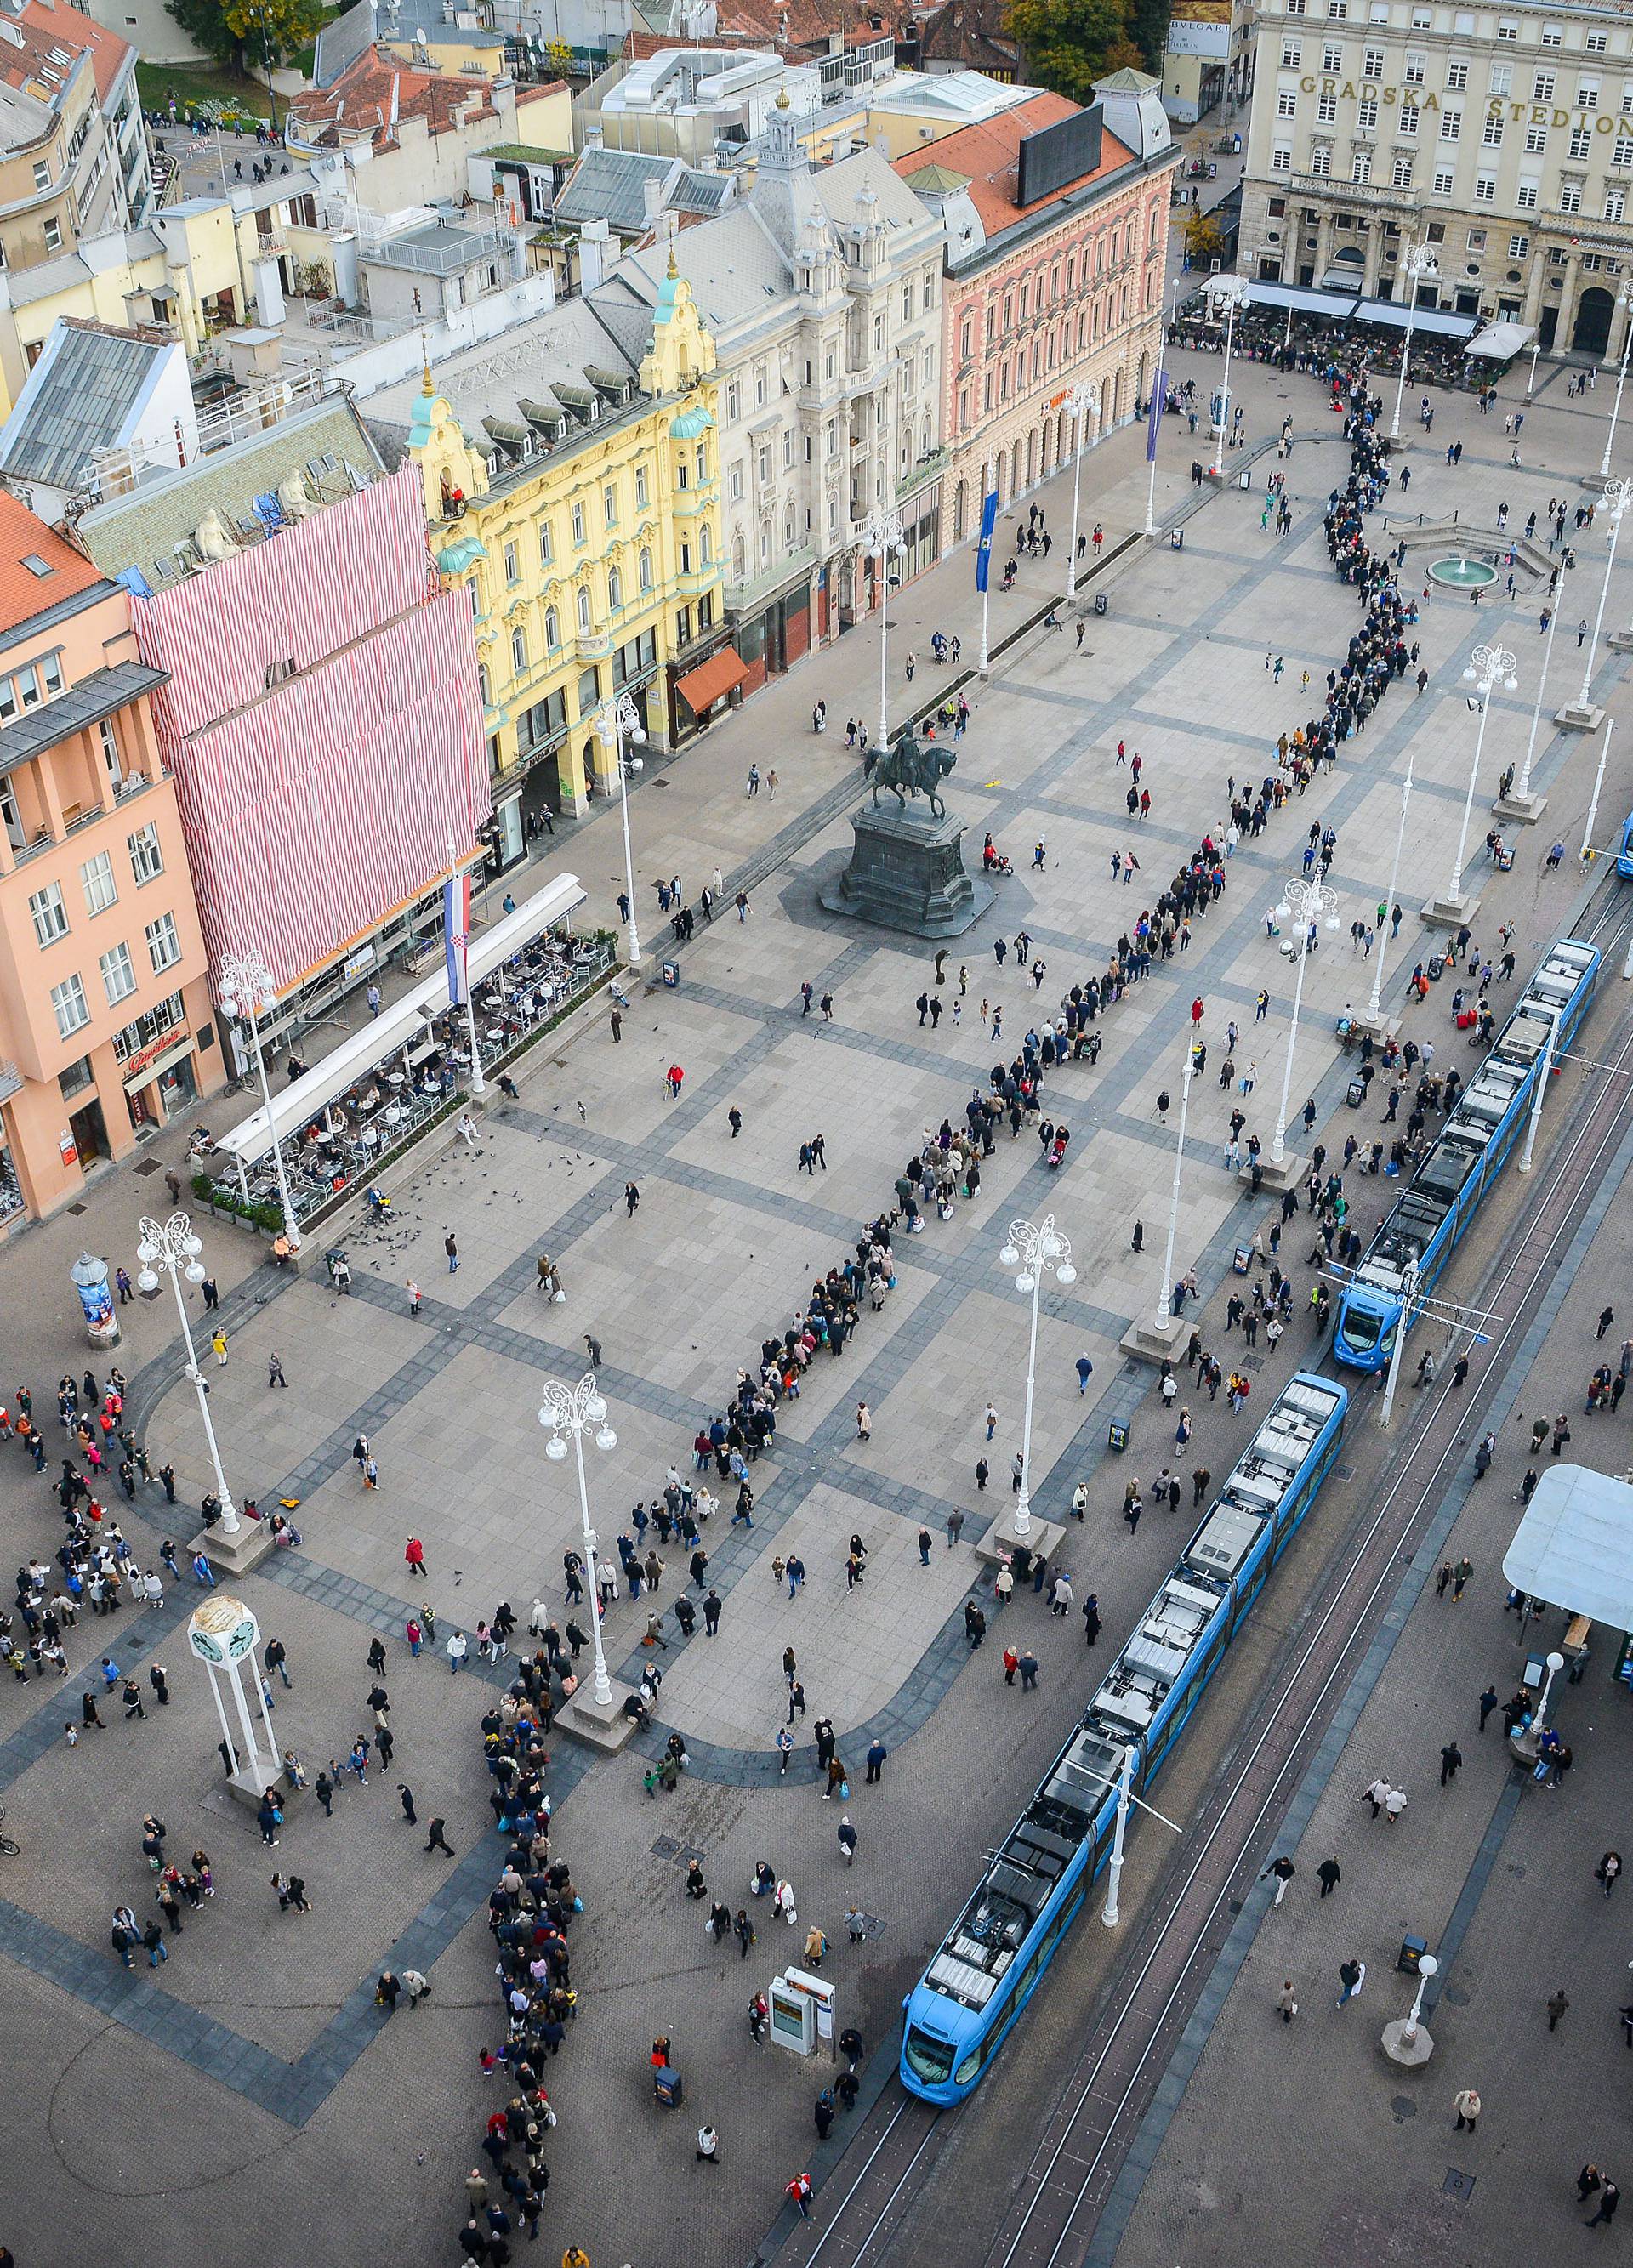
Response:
column 1451, row 1758
column 1282, row 1870
column 1287, row 2004
column 1557, row 2008
column 1609, row 2198
column 1608, row 1870
column 1352, row 1976
column 1328, row 1876
column 1467, row 2106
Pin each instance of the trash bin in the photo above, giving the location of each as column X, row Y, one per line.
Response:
column 1354, row 1094
column 1099, row 602
column 665, row 2085
column 1242, row 1259
column 1412, row 1951
column 1117, row 1435
column 1436, row 967
column 671, row 974
column 1176, row 539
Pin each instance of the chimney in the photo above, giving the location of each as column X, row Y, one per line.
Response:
column 593, row 261
column 652, row 199
column 592, row 137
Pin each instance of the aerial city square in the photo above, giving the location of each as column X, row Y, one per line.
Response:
column 815, row 1072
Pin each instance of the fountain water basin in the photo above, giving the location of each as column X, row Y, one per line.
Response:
column 1462, row 574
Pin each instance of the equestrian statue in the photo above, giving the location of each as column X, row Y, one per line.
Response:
column 911, row 768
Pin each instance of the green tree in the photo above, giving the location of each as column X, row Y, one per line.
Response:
column 1070, row 43
column 244, row 32
column 1147, row 27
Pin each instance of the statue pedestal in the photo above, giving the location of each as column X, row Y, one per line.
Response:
column 907, row 873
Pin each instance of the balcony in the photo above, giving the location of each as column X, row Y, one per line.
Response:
column 10, row 1084
column 1370, row 196
column 916, row 475
column 593, row 645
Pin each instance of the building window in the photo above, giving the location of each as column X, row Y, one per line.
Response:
column 1450, row 125
column 1526, row 196
column 1361, row 166
column 578, row 523
column 1502, row 80
column 54, row 235
column 615, row 589
column 42, row 174
column 1327, row 109
column 1321, row 162
column 513, row 563
column 147, row 860
column 547, row 548
column 642, row 492
column 1331, row 59
column 1456, row 76
column 1401, row 174
column 646, row 570
column 26, row 688
column 164, row 946
column 734, row 396
column 1596, row 43
column 110, row 751
column 96, row 879
column 1581, row 142
column 685, row 558
column 1587, row 94
column 584, row 614
column 1366, row 113
column 1508, row 29
column 1372, row 62
column 683, row 627
column 1570, row 197
column 1337, row 10
column 1517, row 246
column 609, row 506
column 1287, row 103
column 49, row 918
column 706, row 544
column 68, row 1005
column 1543, row 87
column 1407, row 123
column 519, row 651
column 1615, row 205
column 733, row 483
column 1536, row 140
column 1415, row 67
column 169, row 1015
column 1553, row 35
column 552, row 630
column 1443, row 181
column 1623, row 153
column 1491, row 133
column 1485, row 191
column 484, row 685
column 118, row 976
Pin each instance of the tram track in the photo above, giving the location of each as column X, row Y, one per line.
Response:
column 1057, row 2201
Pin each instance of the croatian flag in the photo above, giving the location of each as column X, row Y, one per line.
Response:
column 984, row 548
column 456, row 931
column 1159, row 403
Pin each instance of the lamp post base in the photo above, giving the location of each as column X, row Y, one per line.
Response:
column 1285, row 1175
column 1451, row 912
column 1524, row 810
column 606, row 1728
column 1042, row 1539
column 1149, row 1340
column 1379, row 1028
column 1621, row 641
column 1579, row 717
column 1409, row 2045
column 234, row 1555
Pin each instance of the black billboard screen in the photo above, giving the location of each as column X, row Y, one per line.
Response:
column 1059, row 155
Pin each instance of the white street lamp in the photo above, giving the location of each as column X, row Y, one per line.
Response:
column 1306, row 900
column 1488, row 666
column 1624, row 308
column 1408, row 1295
column 881, row 537
column 1083, row 402
column 1166, row 1296
column 1037, row 1248
column 1428, row 1970
column 1225, row 293
column 171, row 1245
column 246, row 993
column 1375, row 994
column 1556, row 1663
column 1420, row 266
column 569, row 1409
column 1616, row 495
column 616, row 721
column 1544, row 1073
column 1522, row 794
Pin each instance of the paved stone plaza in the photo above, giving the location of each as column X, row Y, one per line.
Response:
column 252, row 2081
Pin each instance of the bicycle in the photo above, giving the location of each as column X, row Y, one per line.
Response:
column 8, row 1849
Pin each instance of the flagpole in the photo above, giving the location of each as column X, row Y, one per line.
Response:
column 988, row 474
column 478, row 1084
column 1158, row 406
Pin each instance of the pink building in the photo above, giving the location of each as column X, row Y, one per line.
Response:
column 321, row 716
column 1057, row 237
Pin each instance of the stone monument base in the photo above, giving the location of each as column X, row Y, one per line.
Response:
column 606, row 1728
column 907, row 873
column 234, row 1555
column 1406, row 2044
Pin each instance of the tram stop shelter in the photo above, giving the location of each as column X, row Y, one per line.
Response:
column 1574, row 1547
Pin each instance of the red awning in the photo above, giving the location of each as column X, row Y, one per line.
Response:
column 701, row 687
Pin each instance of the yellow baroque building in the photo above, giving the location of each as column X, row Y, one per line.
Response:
column 572, row 484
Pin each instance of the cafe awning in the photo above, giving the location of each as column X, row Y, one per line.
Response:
column 1574, row 1545
column 1303, row 300
column 712, row 680
column 1424, row 320
column 398, row 1024
column 1502, row 341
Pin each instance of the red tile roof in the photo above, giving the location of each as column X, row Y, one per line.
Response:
column 988, row 154
column 791, row 26
column 44, row 24
column 970, row 32
column 23, row 593
column 374, row 94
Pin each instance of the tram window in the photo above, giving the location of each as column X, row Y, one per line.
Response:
column 1360, row 1328
column 930, row 2061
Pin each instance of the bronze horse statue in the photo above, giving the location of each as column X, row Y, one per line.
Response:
column 912, row 769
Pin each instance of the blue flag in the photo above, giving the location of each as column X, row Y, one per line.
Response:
column 984, row 548
column 1159, row 402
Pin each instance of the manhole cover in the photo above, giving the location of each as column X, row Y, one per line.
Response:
column 1344, row 1472
column 77, row 1209
column 1252, row 1362
column 1459, row 2186
column 665, row 1847
column 149, row 1166
column 688, row 1851
column 872, row 1926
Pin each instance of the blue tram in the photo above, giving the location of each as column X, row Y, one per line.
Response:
column 1421, row 1230
column 1624, row 855
column 990, row 1963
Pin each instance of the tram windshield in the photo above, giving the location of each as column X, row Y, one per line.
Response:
column 929, row 2060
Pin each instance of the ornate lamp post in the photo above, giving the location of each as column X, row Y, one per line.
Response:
column 171, row 1245
column 1376, row 995
column 1409, row 2042
column 1488, row 666
column 1165, row 1297
column 616, row 721
column 1624, row 308
column 569, row 1409
column 1224, row 294
column 881, row 537
column 1582, row 713
column 246, row 993
column 1306, row 900
column 1420, row 266
column 1037, row 1248
column 1083, row 402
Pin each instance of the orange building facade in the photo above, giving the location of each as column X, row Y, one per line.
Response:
column 106, row 1020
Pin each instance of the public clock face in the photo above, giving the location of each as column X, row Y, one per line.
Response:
column 242, row 1640
column 206, row 1648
